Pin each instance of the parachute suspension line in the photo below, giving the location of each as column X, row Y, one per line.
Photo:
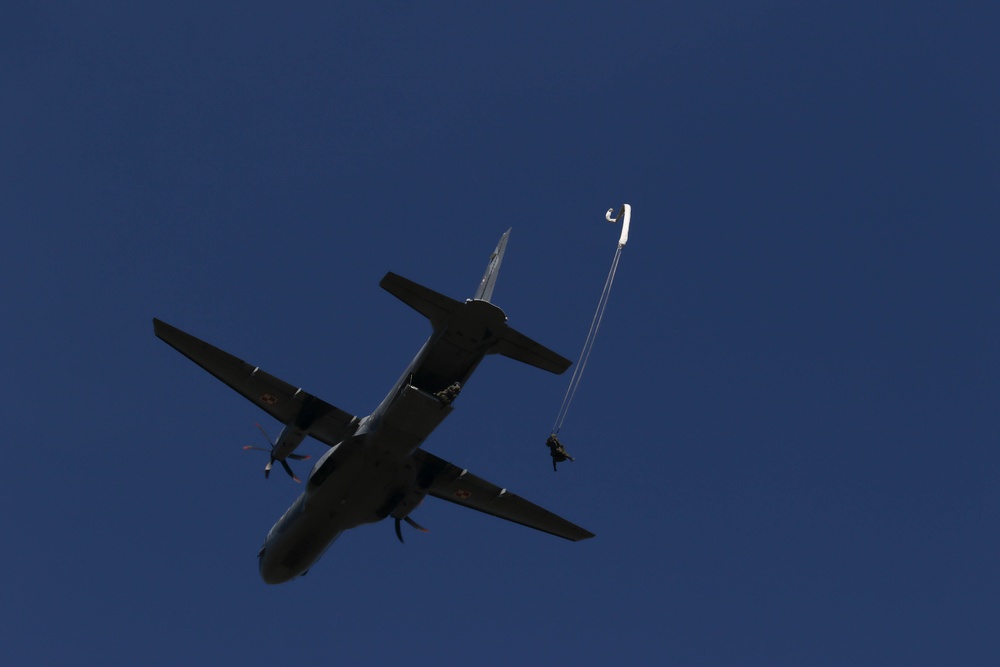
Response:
column 588, row 345
column 595, row 323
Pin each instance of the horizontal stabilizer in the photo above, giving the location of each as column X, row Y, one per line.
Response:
column 433, row 305
column 439, row 309
column 516, row 345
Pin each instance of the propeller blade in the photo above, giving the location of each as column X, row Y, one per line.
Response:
column 270, row 464
column 399, row 532
column 288, row 469
column 414, row 524
column 266, row 436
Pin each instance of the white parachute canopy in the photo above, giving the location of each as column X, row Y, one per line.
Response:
column 625, row 215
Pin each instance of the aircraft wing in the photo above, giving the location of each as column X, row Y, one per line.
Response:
column 449, row 482
column 286, row 403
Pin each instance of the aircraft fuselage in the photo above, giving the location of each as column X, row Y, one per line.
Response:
column 371, row 475
column 375, row 467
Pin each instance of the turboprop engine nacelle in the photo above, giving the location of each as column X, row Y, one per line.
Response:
column 290, row 437
column 410, row 502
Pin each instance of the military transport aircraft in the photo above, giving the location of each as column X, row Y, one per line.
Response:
column 375, row 467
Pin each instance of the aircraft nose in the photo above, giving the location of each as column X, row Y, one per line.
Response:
column 270, row 576
column 271, row 571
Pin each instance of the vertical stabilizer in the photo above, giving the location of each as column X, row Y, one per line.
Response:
column 489, row 281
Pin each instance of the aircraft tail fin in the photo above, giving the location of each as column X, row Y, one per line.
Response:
column 436, row 306
column 512, row 343
column 489, row 281
column 496, row 338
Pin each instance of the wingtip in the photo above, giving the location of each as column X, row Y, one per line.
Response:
column 158, row 326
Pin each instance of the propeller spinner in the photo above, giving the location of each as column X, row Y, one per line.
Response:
column 283, row 462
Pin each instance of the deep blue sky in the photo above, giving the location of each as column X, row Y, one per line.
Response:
column 787, row 436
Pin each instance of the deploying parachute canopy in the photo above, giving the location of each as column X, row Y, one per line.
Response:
column 624, row 214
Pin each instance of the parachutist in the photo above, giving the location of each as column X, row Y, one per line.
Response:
column 558, row 451
column 448, row 395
